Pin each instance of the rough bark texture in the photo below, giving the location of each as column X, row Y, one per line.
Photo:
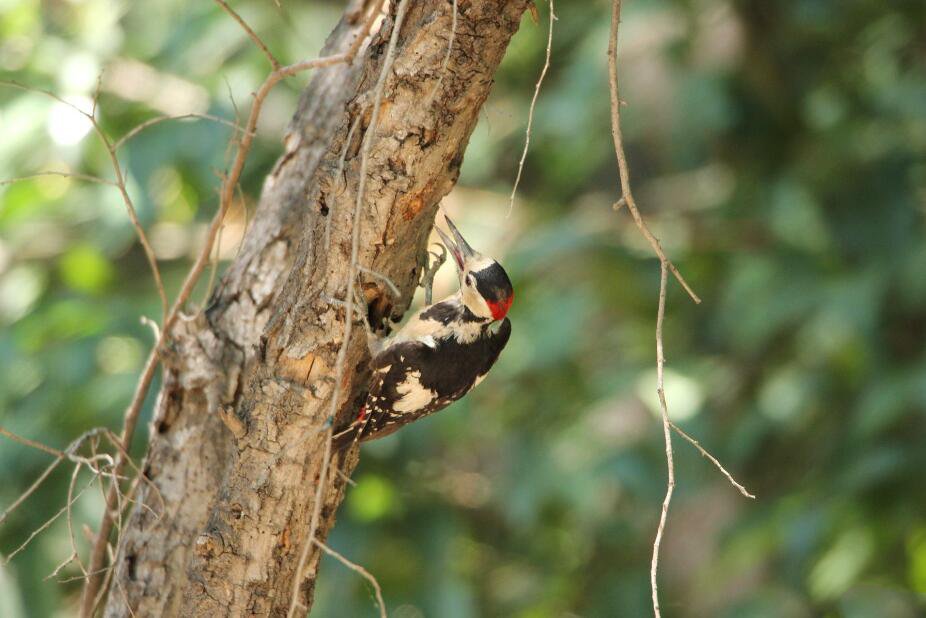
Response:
column 238, row 436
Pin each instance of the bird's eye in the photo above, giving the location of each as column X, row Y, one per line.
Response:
column 469, row 280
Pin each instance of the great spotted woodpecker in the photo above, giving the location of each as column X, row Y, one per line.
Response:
column 442, row 352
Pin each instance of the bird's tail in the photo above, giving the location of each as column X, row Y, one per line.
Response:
column 352, row 433
column 346, row 437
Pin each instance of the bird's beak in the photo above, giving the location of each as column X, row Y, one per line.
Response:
column 458, row 246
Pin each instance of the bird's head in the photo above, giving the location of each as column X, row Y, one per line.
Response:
column 484, row 284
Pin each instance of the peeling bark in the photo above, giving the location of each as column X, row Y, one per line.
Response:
column 238, row 436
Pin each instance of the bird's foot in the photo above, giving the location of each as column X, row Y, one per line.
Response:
column 430, row 269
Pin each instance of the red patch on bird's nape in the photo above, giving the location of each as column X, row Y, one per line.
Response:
column 500, row 309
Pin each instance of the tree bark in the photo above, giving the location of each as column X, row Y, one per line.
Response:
column 239, row 430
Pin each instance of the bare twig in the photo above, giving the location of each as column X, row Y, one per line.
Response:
column 660, row 390
column 98, row 553
column 139, row 475
column 60, row 456
column 361, row 571
column 347, row 479
column 68, row 580
column 70, row 519
column 623, row 168
column 119, row 182
column 665, row 265
column 31, row 490
column 159, row 119
column 155, row 329
column 349, row 300
column 713, row 460
column 60, row 566
column 253, row 35
column 87, row 177
column 530, row 113
column 47, row 523
column 375, row 273
column 32, row 443
column 97, row 90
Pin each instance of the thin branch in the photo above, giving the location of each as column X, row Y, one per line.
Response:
column 623, row 168
column 139, row 475
column 32, row 443
column 713, row 460
column 253, row 35
column 667, row 434
column 361, row 571
column 349, row 300
column 87, row 177
column 60, row 456
column 60, row 566
column 530, row 114
column 665, row 265
column 47, row 93
column 31, row 490
column 98, row 553
column 70, row 518
column 47, row 523
column 155, row 329
column 159, row 119
column 68, row 580
column 120, row 183
column 374, row 273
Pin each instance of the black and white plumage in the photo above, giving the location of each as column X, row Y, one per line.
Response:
column 443, row 352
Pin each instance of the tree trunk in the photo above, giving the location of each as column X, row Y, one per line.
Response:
column 240, row 423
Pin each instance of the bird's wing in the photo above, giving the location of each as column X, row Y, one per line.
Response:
column 394, row 395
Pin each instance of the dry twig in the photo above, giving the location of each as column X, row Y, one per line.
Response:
column 530, row 114
column 713, row 460
column 623, row 168
column 119, row 143
column 667, row 435
column 358, row 569
column 32, row 443
column 119, row 181
column 62, row 174
column 47, row 523
column 253, row 35
column 349, row 299
column 666, row 265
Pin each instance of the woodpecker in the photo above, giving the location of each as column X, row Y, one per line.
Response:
column 443, row 351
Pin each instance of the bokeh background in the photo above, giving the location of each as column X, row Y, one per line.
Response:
column 778, row 150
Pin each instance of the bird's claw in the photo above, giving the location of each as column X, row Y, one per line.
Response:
column 427, row 276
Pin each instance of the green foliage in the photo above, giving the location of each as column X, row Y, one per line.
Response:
column 777, row 148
